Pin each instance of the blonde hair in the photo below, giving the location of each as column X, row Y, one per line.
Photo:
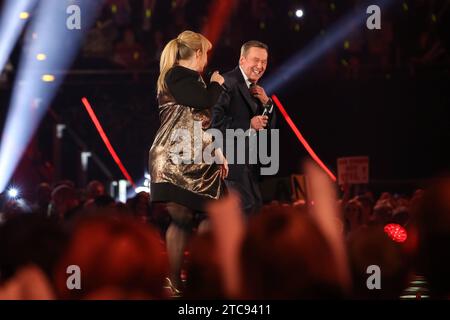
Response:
column 181, row 48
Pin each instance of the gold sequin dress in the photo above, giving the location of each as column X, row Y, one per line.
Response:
column 176, row 174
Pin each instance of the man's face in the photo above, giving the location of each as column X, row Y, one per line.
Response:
column 254, row 63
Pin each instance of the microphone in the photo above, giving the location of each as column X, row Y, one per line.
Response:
column 266, row 110
column 208, row 74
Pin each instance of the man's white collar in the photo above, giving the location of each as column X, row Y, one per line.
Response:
column 248, row 82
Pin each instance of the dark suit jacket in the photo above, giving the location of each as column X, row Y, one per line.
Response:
column 234, row 110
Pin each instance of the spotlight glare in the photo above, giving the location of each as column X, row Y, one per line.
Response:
column 24, row 15
column 299, row 13
column 13, row 18
column 142, row 189
column 41, row 57
column 48, row 78
column 318, row 47
column 396, row 232
column 34, row 78
column 13, row 192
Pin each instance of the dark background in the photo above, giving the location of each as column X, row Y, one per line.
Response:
column 383, row 93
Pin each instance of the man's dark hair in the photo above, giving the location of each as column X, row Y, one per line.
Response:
column 253, row 44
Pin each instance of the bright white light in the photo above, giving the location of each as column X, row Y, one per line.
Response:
column 34, row 78
column 308, row 55
column 11, row 27
column 123, row 184
column 48, row 78
column 143, row 186
column 13, row 192
column 41, row 56
column 299, row 13
column 142, row 189
column 24, row 15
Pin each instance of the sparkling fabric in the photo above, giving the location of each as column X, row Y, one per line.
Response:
column 164, row 163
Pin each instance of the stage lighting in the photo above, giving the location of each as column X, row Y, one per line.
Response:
column 36, row 81
column 24, row 15
column 350, row 24
column 106, row 141
column 396, row 232
column 41, row 57
column 13, row 192
column 142, row 189
column 123, row 184
column 405, row 6
column 14, row 15
column 299, row 13
column 143, row 185
column 302, row 140
column 48, row 78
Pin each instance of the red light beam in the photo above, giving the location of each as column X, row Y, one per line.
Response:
column 302, row 139
column 105, row 139
column 219, row 13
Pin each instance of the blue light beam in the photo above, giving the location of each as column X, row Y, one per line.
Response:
column 352, row 22
column 11, row 25
column 38, row 79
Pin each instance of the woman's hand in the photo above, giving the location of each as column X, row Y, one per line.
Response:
column 217, row 78
column 224, row 169
column 223, row 163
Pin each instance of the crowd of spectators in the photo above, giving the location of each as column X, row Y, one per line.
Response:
column 283, row 252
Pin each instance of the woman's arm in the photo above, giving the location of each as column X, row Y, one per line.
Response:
column 185, row 87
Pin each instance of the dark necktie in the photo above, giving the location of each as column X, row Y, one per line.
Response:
column 258, row 103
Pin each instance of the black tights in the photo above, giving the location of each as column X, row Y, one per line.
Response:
column 177, row 236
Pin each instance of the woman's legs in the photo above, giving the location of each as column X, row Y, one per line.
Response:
column 176, row 239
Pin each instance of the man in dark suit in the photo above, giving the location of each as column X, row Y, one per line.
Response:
column 245, row 105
